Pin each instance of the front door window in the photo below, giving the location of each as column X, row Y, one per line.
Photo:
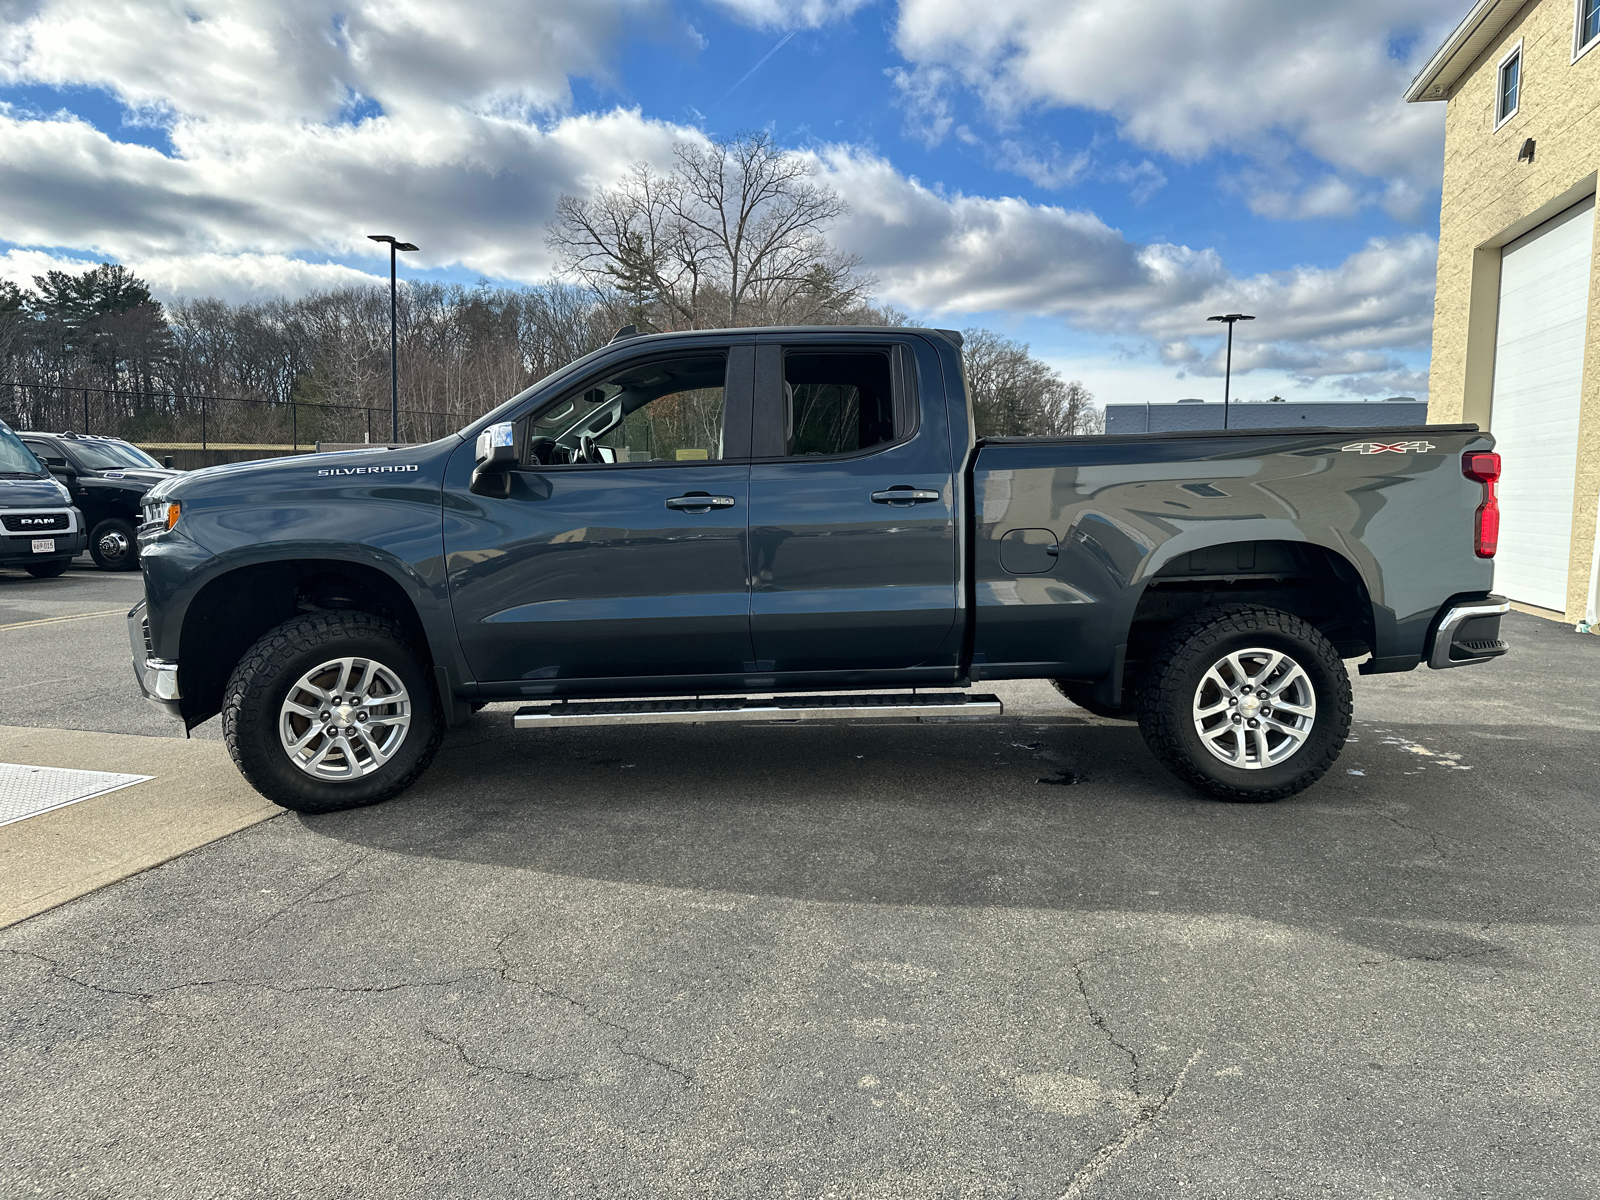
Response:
column 668, row 410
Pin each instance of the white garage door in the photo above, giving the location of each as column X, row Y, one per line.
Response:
column 1538, row 381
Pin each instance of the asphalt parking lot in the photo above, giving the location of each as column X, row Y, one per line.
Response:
column 1011, row 959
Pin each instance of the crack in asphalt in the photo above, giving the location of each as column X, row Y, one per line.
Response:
column 1432, row 837
column 1100, row 1022
column 60, row 971
column 1100, row 1161
column 505, row 971
column 310, row 892
column 475, row 1064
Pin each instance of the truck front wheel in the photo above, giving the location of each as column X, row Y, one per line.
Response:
column 114, row 545
column 1246, row 703
column 329, row 711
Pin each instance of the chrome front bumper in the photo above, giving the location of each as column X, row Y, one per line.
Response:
column 1469, row 632
column 157, row 678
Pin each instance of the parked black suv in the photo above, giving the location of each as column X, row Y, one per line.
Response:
column 40, row 531
column 107, row 478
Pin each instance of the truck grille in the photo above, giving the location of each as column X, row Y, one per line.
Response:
column 35, row 522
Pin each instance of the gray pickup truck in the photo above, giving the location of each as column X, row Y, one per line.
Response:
column 799, row 524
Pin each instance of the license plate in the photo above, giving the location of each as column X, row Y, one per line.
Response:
column 44, row 545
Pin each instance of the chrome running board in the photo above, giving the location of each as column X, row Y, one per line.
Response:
column 759, row 708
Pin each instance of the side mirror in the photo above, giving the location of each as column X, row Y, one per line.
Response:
column 495, row 455
column 166, row 461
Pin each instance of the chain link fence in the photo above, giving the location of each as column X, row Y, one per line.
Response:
column 175, row 421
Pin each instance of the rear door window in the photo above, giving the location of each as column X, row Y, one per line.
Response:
column 837, row 402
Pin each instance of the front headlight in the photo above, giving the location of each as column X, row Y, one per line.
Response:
column 161, row 516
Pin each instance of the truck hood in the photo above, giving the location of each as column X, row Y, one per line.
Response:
column 310, row 468
column 32, row 493
column 145, row 475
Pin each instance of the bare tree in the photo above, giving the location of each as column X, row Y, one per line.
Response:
column 1016, row 395
column 735, row 234
column 318, row 367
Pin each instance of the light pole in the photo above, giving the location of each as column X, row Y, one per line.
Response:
column 394, row 359
column 1227, row 378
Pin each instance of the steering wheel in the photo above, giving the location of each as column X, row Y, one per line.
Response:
column 587, row 451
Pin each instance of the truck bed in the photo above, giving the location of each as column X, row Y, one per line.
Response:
column 1149, row 519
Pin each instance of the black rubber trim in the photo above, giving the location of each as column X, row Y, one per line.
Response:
column 1316, row 431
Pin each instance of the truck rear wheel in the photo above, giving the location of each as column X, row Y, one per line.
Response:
column 1246, row 703
column 329, row 711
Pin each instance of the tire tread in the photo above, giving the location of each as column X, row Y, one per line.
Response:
column 1162, row 708
column 273, row 651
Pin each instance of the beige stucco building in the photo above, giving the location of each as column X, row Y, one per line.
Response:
column 1516, row 341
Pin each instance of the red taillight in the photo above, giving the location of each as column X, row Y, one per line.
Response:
column 1484, row 466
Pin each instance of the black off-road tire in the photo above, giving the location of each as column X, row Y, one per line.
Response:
column 1173, row 675
column 48, row 570
column 128, row 558
column 256, row 691
column 1082, row 694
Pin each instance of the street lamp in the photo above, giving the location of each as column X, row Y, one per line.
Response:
column 1227, row 378
column 394, row 361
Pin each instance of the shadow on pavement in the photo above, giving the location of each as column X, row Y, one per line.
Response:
column 955, row 816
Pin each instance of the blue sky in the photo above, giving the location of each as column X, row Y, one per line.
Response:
column 1094, row 176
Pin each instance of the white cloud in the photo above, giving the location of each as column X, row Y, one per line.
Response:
column 1330, row 196
column 958, row 253
column 20, row 266
column 475, row 190
column 1250, row 76
column 238, row 278
column 232, row 277
column 1050, row 170
column 308, row 59
column 470, row 151
column 789, row 14
column 955, row 254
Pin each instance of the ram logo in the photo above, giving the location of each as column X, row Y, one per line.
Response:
column 26, row 521
column 1388, row 447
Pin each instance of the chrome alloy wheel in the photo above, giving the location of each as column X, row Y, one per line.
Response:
column 344, row 719
column 114, row 544
column 1254, row 708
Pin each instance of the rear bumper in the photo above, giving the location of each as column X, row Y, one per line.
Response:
column 157, row 678
column 1468, row 632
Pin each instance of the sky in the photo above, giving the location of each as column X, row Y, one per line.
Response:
column 1094, row 177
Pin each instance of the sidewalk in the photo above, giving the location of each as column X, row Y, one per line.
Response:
column 194, row 796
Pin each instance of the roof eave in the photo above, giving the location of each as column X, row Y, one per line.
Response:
column 1478, row 28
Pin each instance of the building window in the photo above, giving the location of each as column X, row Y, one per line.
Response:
column 1588, row 32
column 1509, row 88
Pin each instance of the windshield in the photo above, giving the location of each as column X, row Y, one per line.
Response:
column 108, row 455
column 15, row 458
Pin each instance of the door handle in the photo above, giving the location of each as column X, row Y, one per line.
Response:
column 905, row 496
column 700, row 502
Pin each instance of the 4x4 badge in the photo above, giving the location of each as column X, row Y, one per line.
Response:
column 1388, row 447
